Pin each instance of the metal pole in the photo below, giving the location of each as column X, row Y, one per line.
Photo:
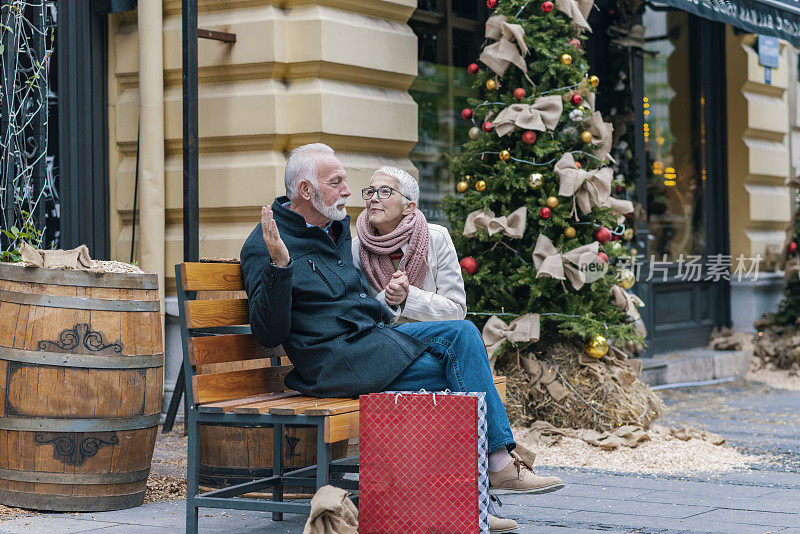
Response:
column 191, row 207
column 9, row 68
column 40, row 124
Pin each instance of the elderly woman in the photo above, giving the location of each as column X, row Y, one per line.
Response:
column 394, row 240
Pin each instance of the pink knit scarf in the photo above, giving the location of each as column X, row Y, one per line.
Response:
column 374, row 249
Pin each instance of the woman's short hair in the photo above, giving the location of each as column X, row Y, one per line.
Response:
column 406, row 183
column 302, row 166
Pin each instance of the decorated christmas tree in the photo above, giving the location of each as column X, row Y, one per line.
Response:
column 542, row 238
column 776, row 345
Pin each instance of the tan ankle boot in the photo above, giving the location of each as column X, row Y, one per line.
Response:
column 501, row 525
column 519, row 477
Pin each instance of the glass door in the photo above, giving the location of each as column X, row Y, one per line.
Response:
column 680, row 87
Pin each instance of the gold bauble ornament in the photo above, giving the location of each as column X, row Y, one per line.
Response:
column 634, row 252
column 491, row 84
column 535, row 180
column 566, row 59
column 474, row 133
column 462, row 187
column 628, row 234
column 626, row 279
column 586, row 136
column 480, row 185
column 505, row 155
column 594, row 81
column 597, row 347
column 569, row 232
column 552, row 202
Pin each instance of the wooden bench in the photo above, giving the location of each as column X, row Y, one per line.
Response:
column 216, row 331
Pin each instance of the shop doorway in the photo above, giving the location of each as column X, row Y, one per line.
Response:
column 675, row 70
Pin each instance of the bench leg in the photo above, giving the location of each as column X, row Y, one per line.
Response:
column 277, row 467
column 192, row 472
column 324, row 456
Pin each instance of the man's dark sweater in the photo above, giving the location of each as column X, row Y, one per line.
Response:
column 319, row 308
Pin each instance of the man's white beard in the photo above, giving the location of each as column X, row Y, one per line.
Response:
column 334, row 212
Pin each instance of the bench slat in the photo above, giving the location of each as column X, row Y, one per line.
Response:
column 237, row 384
column 297, row 408
column 229, row 348
column 209, row 313
column 212, row 277
column 264, row 406
column 500, row 385
column 342, row 426
column 230, row 405
column 351, row 405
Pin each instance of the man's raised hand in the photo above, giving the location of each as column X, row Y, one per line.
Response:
column 275, row 245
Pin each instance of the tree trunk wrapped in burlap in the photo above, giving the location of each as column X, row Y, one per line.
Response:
column 558, row 383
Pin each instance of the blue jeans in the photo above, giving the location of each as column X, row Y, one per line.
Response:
column 456, row 360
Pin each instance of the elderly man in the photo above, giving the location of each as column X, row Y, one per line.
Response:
column 306, row 294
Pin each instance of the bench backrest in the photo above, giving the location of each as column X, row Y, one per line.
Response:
column 222, row 359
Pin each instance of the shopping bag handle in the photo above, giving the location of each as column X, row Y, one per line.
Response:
column 423, row 391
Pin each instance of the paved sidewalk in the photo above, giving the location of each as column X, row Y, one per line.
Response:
column 754, row 418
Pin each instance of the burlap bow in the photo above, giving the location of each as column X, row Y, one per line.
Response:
column 587, row 188
column 569, row 265
column 602, row 135
column 791, row 268
column 521, row 330
column 509, row 48
column 512, row 226
column 577, row 10
column 542, row 115
column 619, row 206
column 629, row 302
column 542, row 377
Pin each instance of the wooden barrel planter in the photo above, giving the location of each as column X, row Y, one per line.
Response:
column 81, row 372
column 232, row 455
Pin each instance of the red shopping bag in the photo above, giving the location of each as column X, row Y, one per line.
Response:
column 422, row 463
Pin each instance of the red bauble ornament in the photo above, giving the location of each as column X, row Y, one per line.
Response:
column 466, row 114
column 519, row 93
column 575, row 43
column 487, row 126
column 792, row 248
column 615, row 238
column 547, row 7
column 473, row 68
column 620, row 189
column 602, row 256
column 529, row 137
column 491, row 4
column 578, row 165
column 469, row 264
column 602, row 234
column 544, row 213
column 576, row 99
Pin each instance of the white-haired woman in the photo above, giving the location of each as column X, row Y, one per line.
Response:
column 394, row 238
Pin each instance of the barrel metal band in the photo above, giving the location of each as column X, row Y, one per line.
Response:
column 73, row 478
column 70, row 503
column 63, row 277
column 79, row 303
column 82, row 360
column 37, row 424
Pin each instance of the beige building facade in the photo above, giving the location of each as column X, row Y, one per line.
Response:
column 300, row 71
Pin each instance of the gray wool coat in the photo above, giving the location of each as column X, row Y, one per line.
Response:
column 337, row 336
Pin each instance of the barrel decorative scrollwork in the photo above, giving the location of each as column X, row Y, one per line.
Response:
column 68, row 451
column 79, row 339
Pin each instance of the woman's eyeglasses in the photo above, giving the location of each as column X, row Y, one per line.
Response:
column 384, row 192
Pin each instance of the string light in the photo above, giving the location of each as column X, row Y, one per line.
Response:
column 26, row 101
